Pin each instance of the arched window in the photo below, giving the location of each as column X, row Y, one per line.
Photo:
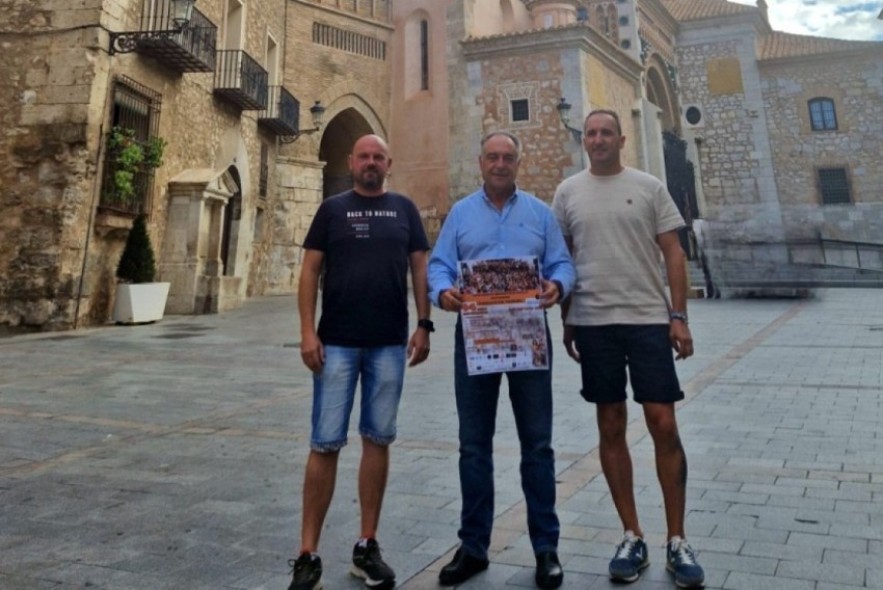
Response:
column 822, row 114
column 424, row 54
column 417, row 53
column 508, row 16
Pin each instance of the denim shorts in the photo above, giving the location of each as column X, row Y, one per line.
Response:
column 382, row 373
column 605, row 353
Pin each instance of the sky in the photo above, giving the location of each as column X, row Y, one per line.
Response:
column 841, row 19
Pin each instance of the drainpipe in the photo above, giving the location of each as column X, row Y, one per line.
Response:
column 96, row 191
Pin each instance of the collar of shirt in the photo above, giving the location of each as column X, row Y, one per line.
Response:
column 510, row 201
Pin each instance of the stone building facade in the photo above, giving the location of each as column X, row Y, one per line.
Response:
column 786, row 134
column 233, row 195
column 783, row 131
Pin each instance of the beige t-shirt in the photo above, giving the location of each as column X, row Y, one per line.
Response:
column 613, row 222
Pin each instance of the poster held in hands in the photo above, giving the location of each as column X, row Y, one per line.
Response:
column 504, row 327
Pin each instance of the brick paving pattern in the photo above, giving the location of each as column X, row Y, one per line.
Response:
column 171, row 456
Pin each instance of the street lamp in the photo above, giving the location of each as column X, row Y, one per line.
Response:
column 564, row 114
column 180, row 13
column 317, row 111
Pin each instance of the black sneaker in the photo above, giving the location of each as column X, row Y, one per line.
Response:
column 368, row 565
column 306, row 572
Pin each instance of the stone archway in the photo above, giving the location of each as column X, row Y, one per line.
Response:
column 337, row 142
column 659, row 91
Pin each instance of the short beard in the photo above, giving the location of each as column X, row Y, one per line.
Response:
column 371, row 183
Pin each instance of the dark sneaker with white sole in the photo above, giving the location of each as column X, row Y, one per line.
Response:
column 631, row 557
column 681, row 561
column 306, row 572
column 369, row 565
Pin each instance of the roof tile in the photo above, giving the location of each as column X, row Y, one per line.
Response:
column 782, row 45
column 688, row 10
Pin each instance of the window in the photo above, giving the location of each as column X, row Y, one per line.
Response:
column 822, row 115
column 520, row 110
column 834, row 186
column 263, row 181
column 424, row 55
column 134, row 121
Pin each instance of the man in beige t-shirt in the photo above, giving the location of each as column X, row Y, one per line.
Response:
column 619, row 320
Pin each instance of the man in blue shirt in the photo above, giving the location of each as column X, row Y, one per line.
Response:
column 499, row 221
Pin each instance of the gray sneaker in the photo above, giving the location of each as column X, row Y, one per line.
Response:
column 631, row 557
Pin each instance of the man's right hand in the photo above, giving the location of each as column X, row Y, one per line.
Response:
column 450, row 299
column 569, row 346
column 312, row 352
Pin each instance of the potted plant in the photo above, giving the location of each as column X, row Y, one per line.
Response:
column 138, row 298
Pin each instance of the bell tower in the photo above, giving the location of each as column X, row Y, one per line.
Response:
column 546, row 14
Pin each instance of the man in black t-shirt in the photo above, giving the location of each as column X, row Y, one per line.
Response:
column 364, row 240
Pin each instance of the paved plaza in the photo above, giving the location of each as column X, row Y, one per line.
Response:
column 171, row 456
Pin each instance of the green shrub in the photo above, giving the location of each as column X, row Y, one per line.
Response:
column 137, row 263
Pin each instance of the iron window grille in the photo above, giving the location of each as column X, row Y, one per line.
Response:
column 265, row 171
column 834, row 186
column 135, row 111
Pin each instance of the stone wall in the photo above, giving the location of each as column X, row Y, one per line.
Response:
column 50, row 159
column 855, row 83
column 718, row 72
column 355, row 88
column 59, row 251
column 758, row 155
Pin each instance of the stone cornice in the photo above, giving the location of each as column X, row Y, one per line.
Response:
column 576, row 36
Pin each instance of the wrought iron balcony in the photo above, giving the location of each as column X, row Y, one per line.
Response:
column 241, row 80
column 181, row 46
column 282, row 114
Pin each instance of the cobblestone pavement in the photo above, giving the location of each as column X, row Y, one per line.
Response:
column 170, row 456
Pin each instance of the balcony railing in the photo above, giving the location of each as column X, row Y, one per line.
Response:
column 282, row 114
column 239, row 79
column 188, row 49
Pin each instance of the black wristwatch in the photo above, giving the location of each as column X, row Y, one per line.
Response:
column 426, row 325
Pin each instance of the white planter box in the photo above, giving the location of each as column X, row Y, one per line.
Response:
column 141, row 303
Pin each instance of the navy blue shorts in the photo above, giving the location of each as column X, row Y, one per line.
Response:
column 606, row 351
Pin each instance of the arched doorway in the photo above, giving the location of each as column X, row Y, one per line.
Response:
column 230, row 231
column 659, row 93
column 338, row 139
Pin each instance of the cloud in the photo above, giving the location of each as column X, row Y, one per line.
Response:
column 842, row 19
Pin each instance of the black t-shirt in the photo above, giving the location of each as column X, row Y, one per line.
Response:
column 366, row 242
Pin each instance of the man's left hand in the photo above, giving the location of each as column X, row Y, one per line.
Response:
column 681, row 339
column 418, row 347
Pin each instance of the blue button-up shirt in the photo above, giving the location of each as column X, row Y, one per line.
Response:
column 476, row 230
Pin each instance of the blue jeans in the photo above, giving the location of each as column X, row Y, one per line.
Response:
column 382, row 371
column 531, row 395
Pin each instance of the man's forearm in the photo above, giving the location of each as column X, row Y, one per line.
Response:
column 421, row 291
